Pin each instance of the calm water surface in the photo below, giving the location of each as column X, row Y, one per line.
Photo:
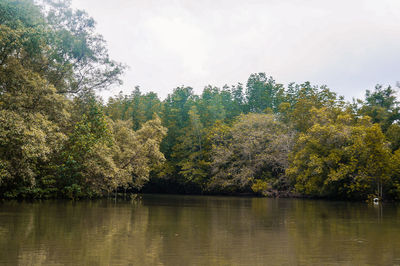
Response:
column 199, row 230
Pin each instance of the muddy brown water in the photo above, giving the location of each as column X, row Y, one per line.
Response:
column 199, row 230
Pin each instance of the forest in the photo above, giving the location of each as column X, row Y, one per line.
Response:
column 58, row 139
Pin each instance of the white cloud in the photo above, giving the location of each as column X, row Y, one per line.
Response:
column 348, row 45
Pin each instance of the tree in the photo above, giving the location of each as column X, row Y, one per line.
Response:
column 175, row 116
column 58, row 43
column 232, row 102
column 393, row 136
column 340, row 157
column 382, row 106
column 54, row 145
column 299, row 99
column 137, row 107
column 210, row 106
column 256, row 147
column 31, row 118
column 191, row 152
column 80, row 54
column 263, row 93
column 102, row 155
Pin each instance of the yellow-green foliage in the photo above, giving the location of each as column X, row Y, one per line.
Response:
column 260, row 186
column 340, row 156
column 128, row 160
column 50, row 144
column 110, row 154
column 30, row 116
column 255, row 147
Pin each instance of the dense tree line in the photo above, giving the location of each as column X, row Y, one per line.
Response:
column 269, row 139
column 57, row 139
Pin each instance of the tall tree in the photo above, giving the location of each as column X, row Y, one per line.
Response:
column 175, row 116
column 382, row 106
column 191, row 152
column 31, row 119
column 263, row 93
column 137, row 107
column 80, row 56
column 58, row 43
column 211, row 107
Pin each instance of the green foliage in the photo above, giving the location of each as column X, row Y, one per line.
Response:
column 137, row 107
column 382, row 106
column 191, row 153
column 263, row 93
column 58, row 43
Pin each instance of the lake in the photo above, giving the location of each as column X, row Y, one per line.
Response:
column 199, row 230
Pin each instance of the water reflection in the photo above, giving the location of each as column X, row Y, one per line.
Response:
column 195, row 230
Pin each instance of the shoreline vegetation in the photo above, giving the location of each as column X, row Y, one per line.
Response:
column 59, row 140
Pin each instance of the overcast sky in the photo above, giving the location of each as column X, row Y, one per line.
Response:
column 349, row 45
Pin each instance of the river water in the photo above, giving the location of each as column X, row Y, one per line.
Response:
column 199, row 230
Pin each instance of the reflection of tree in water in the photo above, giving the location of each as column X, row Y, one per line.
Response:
column 352, row 233
column 179, row 230
column 217, row 230
column 88, row 233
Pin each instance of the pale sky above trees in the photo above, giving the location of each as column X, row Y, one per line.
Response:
column 348, row 45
